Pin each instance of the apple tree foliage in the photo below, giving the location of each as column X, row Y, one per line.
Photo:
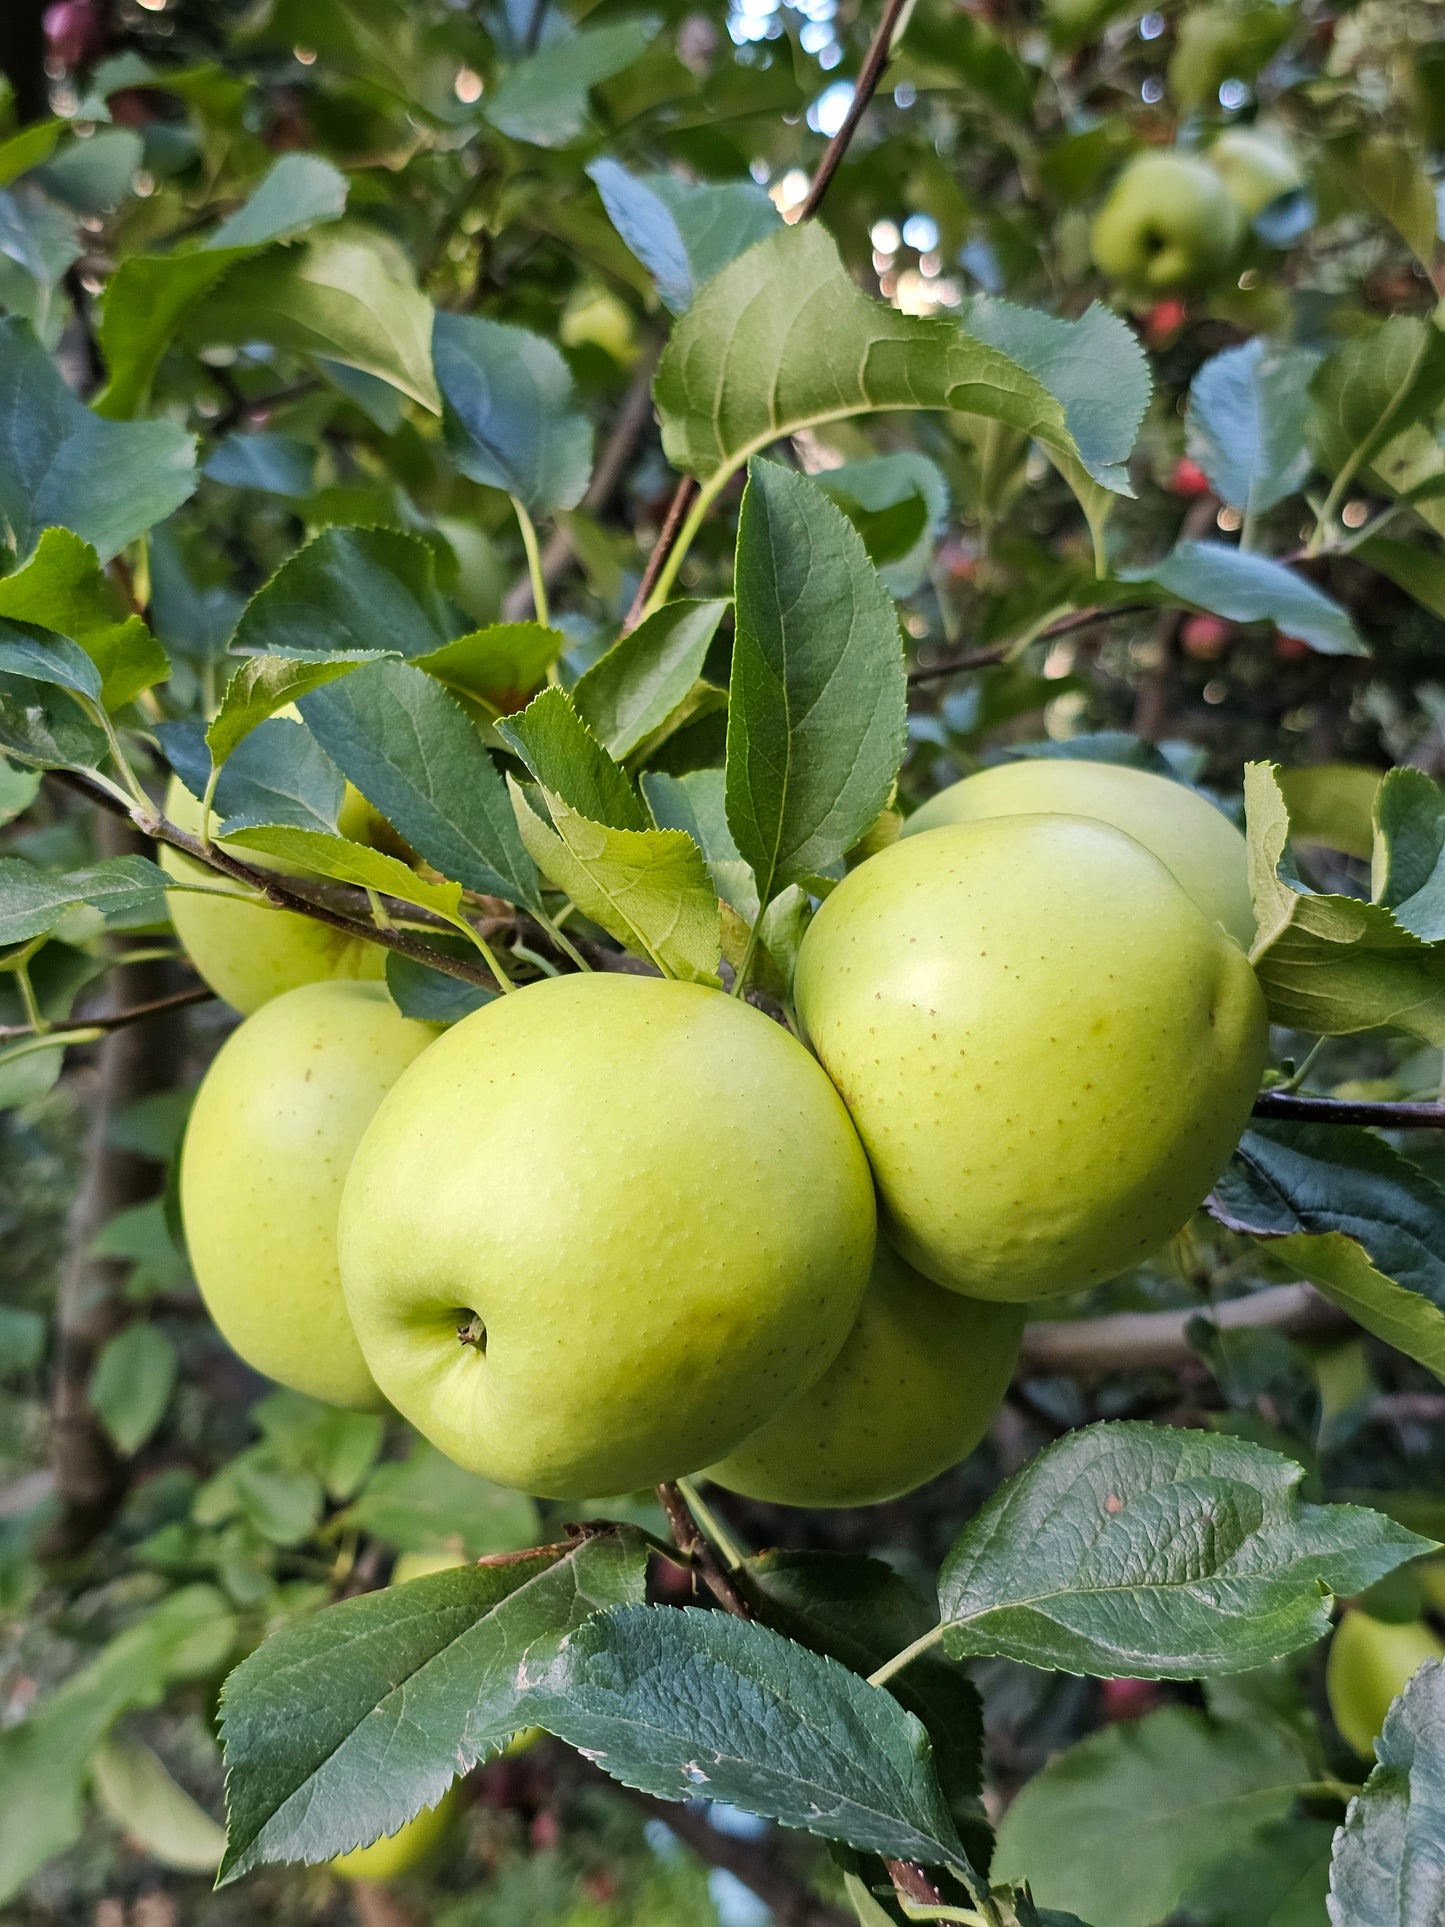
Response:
column 474, row 405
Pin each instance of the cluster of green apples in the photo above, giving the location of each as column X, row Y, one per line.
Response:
column 1177, row 220
column 611, row 1229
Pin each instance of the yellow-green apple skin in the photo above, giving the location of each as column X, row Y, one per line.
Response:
column 407, row 1850
column 1254, row 168
column 1166, row 223
column 1370, row 1664
column 912, row 1392
column 246, row 951
column 1048, row 1050
column 267, row 1148
column 1196, row 842
column 652, row 1200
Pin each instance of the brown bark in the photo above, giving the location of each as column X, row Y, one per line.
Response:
column 90, row 1476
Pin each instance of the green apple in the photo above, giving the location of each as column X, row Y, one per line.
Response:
column 407, row 1850
column 1370, row 1663
column 602, row 1231
column 247, row 951
column 594, row 314
column 911, row 1393
column 1254, row 168
column 266, row 1152
column 1191, row 838
column 1048, row 1050
column 1167, row 222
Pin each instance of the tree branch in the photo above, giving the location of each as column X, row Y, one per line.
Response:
column 120, row 1019
column 699, row 1553
column 1132, row 1340
column 1339, row 1110
column 999, row 652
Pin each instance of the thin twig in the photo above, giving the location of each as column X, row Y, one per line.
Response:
column 1000, row 652
column 118, row 1020
column 1385, row 1116
column 280, row 895
column 683, row 497
column 698, row 1550
column 1136, row 1340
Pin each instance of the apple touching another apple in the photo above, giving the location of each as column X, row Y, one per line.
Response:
column 270, row 1138
column 1168, row 222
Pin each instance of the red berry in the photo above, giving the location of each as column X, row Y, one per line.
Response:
column 1189, row 478
column 1163, row 322
column 1128, row 1699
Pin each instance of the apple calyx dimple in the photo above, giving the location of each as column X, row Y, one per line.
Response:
column 471, row 1331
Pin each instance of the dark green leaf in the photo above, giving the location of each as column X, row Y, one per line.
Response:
column 1246, row 426
column 683, row 232
column 688, row 1704
column 410, row 750
column 1408, row 867
column 1278, row 1880
column 510, row 412
column 351, row 589
column 1185, row 1791
column 632, row 690
column 816, row 722
column 1346, row 1210
column 1133, row 1550
column 1387, row 1864
column 430, row 995
column 43, row 727
column 279, row 774
column 273, row 464
column 344, row 1725
column 1245, row 587
column 543, row 99
column 32, row 902
column 42, row 656
column 62, row 464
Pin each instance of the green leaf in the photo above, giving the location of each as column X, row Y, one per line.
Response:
column 500, row 665
column 425, row 1501
column 63, row 587
column 569, row 762
column 271, row 464
column 683, row 232
column 150, row 295
column 696, row 1704
column 351, row 589
column 134, row 1788
column 264, row 684
column 648, row 888
column 1332, row 804
column 344, row 1725
column 132, row 1384
column 543, row 100
column 340, row 1447
column 429, row 995
column 1331, row 964
column 18, row 790
column 410, row 750
column 899, row 505
column 279, row 774
column 510, row 412
column 816, row 708
column 782, row 339
column 1246, row 425
column 861, row 1611
column 356, row 863
column 630, row 692
column 1407, row 859
column 47, row 730
column 1344, row 1209
column 1187, row 1791
column 1373, row 389
column 1245, row 587
column 42, row 656
column 697, row 803
column 1131, row 1550
column 61, row 464
column 27, row 148
column 33, row 902
column 45, row 1758
column 1420, row 572
column 1383, row 176
column 345, row 296
column 1278, row 1880
column 1387, row 1862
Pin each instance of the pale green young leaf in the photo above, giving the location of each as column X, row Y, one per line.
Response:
column 644, row 677
column 263, row 684
column 1346, row 1210
column 500, row 665
column 314, row 852
column 1135, row 1551
column 697, row 803
column 648, row 888
column 131, row 1385
column 133, row 1787
column 569, row 761
column 345, row 1724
